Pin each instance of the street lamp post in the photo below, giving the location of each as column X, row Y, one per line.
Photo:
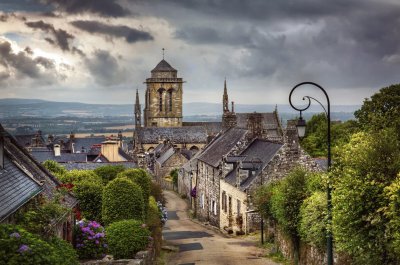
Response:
column 301, row 124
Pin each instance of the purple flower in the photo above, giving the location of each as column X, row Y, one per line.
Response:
column 97, row 242
column 150, row 238
column 105, row 246
column 23, row 248
column 15, row 234
column 79, row 245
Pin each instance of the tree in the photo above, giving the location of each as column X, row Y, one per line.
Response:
column 382, row 110
column 108, row 173
column 364, row 169
column 140, row 177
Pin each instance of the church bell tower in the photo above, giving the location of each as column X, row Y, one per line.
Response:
column 163, row 98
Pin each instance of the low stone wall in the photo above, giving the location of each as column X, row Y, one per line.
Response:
column 146, row 257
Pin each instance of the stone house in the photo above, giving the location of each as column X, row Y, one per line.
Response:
column 168, row 159
column 209, row 171
column 25, row 182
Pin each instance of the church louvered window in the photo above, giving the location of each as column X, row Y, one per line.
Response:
column 160, row 100
column 170, row 100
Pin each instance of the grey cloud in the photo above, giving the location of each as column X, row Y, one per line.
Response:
column 131, row 35
column 105, row 68
column 23, row 65
column 109, row 8
column 62, row 37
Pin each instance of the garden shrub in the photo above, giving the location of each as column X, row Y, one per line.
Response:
column 17, row 246
column 75, row 176
column 90, row 241
column 140, row 177
column 287, row 197
column 313, row 214
column 108, row 173
column 55, row 168
column 89, row 195
column 153, row 214
column 126, row 238
column 157, row 192
column 122, row 199
column 174, row 176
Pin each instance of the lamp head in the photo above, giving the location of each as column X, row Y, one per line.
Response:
column 301, row 127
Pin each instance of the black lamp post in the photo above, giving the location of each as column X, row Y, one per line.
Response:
column 301, row 125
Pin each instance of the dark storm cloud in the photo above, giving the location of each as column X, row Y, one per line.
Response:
column 349, row 43
column 105, row 68
column 62, row 37
column 23, row 64
column 109, row 8
column 131, row 35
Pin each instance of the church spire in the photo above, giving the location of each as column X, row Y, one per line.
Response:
column 138, row 112
column 225, row 101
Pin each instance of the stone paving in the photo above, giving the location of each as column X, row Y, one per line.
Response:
column 199, row 245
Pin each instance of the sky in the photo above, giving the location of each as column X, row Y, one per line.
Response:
column 101, row 51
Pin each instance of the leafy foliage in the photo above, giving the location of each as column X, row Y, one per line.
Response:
column 174, row 175
column 312, row 224
column 122, row 199
column 366, row 168
column 17, row 246
column 90, row 240
column 315, row 142
column 382, row 110
column 55, row 168
column 39, row 219
column 140, row 177
column 90, row 196
column 75, row 176
column 286, row 199
column 153, row 214
column 108, row 173
column 126, row 238
column 156, row 192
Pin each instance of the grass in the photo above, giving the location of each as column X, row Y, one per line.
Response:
column 275, row 255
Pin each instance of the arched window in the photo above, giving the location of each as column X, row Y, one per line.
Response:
column 170, row 100
column 160, row 100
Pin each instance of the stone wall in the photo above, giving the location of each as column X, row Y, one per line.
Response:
column 175, row 161
column 145, row 257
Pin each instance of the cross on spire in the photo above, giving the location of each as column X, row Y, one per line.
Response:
column 163, row 50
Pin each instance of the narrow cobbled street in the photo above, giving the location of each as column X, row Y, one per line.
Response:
column 199, row 245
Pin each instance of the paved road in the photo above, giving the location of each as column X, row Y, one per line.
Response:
column 200, row 246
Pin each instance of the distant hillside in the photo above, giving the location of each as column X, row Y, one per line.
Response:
column 48, row 109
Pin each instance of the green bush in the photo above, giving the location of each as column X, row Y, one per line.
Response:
column 153, row 214
column 122, row 199
column 312, row 225
column 262, row 199
column 89, row 195
column 287, row 197
column 157, row 192
column 126, row 238
column 174, row 175
column 55, row 168
column 108, row 173
column 75, row 176
column 18, row 246
column 140, row 177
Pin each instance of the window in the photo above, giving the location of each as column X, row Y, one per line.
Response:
column 202, row 201
column 214, row 207
column 223, row 200
column 238, row 207
column 170, row 100
column 160, row 100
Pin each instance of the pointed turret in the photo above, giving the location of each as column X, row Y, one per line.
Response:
column 225, row 101
column 138, row 112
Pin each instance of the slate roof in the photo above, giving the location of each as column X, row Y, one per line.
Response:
column 26, row 139
column 269, row 120
column 258, row 151
column 212, row 128
column 163, row 66
column 44, row 155
column 165, row 155
column 221, row 145
column 94, row 165
column 17, row 188
column 176, row 135
column 87, row 142
column 16, row 153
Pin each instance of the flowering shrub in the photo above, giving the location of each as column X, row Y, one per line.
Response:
column 17, row 246
column 90, row 240
column 163, row 213
column 193, row 192
column 127, row 237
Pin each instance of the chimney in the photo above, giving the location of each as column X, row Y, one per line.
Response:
column 57, row 150
column 109, row 149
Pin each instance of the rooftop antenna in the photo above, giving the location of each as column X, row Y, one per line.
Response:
column 163, row 53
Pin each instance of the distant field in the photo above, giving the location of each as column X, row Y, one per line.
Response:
column 124, row 127
column 125, row 134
